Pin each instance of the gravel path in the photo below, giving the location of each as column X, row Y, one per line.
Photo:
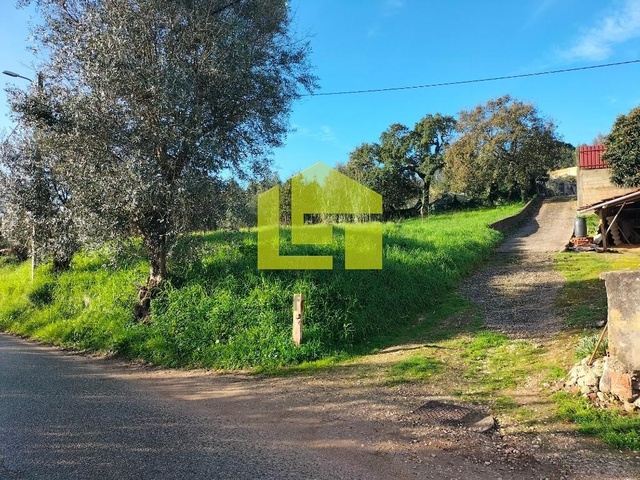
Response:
column 516, row 290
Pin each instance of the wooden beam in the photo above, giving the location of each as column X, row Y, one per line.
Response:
column 614, row 221
column 595, row 350
column 297, row 318
column 603, row 227
column 616, row 217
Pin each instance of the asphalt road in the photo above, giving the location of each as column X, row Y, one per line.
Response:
column 64, row 417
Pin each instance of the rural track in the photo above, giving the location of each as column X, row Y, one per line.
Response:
column 71, row 416
column 517, row 288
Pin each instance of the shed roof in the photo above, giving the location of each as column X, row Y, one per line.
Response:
column 610, row 202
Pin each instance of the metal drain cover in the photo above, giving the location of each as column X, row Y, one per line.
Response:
column 436, row 412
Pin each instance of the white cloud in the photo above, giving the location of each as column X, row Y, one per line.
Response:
column 392, row 7
column 383, row 11
column 543, row 7
column 324, row 133
column 597, row 43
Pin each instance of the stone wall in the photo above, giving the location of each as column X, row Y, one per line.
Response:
column 594, row 185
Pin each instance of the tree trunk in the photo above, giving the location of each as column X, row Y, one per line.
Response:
column 157, row 267
column 61, row 263
column 493, row 192
column 424, row 208
column 156, row 249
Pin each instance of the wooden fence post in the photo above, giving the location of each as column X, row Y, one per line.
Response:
column 297, row 318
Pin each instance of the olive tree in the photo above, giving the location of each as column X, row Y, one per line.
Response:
column 36, row 208
column 147, row 99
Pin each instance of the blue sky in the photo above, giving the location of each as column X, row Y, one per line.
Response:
column 366, row 44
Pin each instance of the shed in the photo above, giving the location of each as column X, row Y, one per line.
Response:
column 619, row 218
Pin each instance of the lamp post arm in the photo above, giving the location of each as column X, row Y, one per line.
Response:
column 17, row 75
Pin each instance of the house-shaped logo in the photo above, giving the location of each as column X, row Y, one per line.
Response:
column 320, row 190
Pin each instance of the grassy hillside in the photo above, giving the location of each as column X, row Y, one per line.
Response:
column 219, row 311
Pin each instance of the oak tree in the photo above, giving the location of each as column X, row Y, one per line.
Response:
column 428, row 141
column 504, row 148
column 381, row 167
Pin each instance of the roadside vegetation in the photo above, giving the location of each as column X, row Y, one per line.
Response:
column 218, row 311
column 619, row 429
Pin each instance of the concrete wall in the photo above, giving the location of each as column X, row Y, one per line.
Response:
column 623, row 298
column 563, row 172
column 514, row 221
column 594, row 186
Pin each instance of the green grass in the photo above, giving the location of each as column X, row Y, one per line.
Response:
column 218, row 311
column 587, row 345
column 583, row 297
column 414, row 369
column 491, row 364
column 593, row 224
column 616, row 428
column 87, row 308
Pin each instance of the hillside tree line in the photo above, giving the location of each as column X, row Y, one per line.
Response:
column 501, row 150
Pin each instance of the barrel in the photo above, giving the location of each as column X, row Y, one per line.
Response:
column 580, row 227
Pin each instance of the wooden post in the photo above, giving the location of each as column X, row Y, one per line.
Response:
column 603, row 228
column 297, row 318
column 595, row 350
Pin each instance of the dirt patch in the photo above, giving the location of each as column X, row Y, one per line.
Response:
column 356, row 426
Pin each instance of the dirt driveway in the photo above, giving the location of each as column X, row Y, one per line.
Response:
column 517, row 288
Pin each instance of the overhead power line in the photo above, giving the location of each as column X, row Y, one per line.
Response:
column 477, row 80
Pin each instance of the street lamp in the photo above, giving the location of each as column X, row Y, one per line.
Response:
column 15, row 75
column 33, row 222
